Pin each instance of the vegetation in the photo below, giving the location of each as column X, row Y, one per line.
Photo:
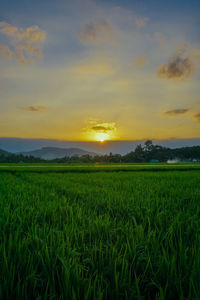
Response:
column 16, row 158
column 151, row 152
column 99, row 235
column 146, row 153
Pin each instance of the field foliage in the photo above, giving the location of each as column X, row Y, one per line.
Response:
column 99, row 235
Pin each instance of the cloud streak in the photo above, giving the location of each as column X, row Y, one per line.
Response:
column 32, row 108
column 23, row 43
column 104, row 127
column 175, row 112
column 100, row 127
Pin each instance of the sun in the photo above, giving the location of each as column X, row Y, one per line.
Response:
column 101, row 137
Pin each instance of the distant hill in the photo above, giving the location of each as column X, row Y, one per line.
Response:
column 5, row 153
column 53, row 152
column 122, row 147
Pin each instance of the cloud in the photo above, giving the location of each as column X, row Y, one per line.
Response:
column 24, row 43
column 100, row 127
column 6, row 52
column 97, row 31
column 181, row 66
column 104, row 127
column 141, row 61
column 32, row 108
column 141, row 22
column 8, row 29
column 178, row 68
column 176, row 112
column 20, row 57
column 197, row 117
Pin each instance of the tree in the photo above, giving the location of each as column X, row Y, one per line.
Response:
column 139, row 154
column 148, row 146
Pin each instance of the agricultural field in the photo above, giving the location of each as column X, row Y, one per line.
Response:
column 100, row 231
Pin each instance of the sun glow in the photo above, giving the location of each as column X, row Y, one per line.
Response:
column 101, row 137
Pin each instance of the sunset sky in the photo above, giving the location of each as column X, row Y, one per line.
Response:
column 91, row 70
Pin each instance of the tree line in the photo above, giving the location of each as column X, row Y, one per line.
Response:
column 142, row 153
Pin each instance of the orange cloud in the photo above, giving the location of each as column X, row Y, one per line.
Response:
column 25, row 42
column 6, row 52
column 20, row 57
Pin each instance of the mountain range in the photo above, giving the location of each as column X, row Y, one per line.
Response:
column 53, row 152
column 122, row 147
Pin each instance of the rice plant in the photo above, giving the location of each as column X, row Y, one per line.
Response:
column 85, row 234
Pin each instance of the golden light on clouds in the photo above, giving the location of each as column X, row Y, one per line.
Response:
column 99, row 131
column 23, row 44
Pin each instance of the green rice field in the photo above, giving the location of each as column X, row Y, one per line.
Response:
column 100, row 231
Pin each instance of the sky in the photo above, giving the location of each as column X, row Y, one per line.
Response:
column 91, row 70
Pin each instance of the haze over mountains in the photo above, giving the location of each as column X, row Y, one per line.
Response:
column 53, row 152
column 15, row 145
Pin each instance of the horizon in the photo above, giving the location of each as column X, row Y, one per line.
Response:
column 96, row 71
column 15, row 145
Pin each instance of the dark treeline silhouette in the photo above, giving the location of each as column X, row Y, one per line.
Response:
column 147, row 153
column 17, row 158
